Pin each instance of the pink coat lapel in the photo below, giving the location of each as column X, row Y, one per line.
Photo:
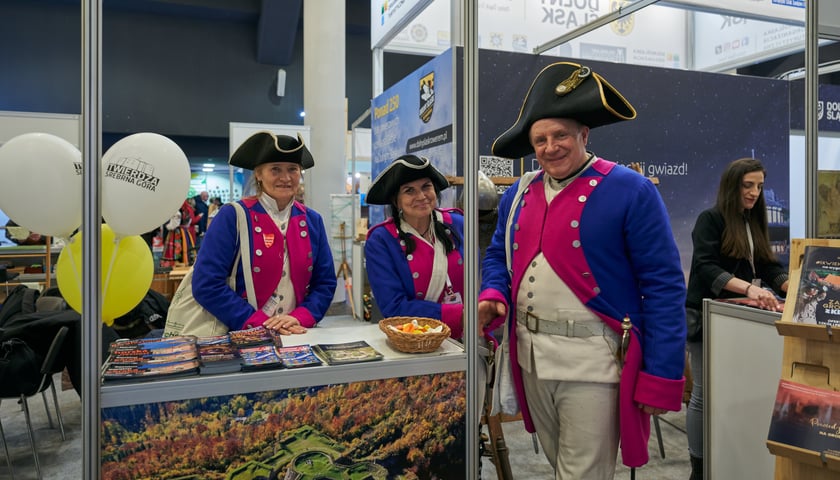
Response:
column 422, row 260
column 268, row 250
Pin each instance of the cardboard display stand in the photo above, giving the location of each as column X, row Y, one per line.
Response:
column 811, row 357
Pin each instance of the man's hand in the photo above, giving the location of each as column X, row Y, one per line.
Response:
column 652, row 410
column 488, row 310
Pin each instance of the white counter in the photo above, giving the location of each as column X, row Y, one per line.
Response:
column 449, row 357
column 743, row 362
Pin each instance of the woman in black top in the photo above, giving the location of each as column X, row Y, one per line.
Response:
column 732, row 258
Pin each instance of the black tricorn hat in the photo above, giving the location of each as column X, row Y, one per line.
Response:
column 266, row 147
column 563, row 90
column 401, row 171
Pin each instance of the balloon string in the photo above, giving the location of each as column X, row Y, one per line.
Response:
column 111, row 265
column 76, row 273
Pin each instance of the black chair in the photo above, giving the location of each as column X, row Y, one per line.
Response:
column 48, row 368
column 6, row 448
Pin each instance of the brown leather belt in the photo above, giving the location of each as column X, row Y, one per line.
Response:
column 565, row 328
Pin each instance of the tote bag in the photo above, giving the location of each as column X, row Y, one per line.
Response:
column 186, row 316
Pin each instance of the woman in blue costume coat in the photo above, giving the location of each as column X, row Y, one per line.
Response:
column 291, row 261
column 415, row 259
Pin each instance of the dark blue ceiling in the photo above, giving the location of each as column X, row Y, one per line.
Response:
column 277, row 21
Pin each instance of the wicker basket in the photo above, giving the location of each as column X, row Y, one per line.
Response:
column 414, row 342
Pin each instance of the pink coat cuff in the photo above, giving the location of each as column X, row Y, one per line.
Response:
column 659, row 392
column 494, row 296
column 304, row 317
column 452, row 314
column 255, row 320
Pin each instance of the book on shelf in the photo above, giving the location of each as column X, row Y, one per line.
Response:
column 818, row 294
column 806, row 417
column 297, row 356
column 348, row 352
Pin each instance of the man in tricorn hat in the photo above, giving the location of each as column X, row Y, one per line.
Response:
column 584, row 267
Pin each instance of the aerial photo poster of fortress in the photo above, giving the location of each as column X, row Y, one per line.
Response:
column 406, row 428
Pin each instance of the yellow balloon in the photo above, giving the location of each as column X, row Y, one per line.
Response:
column 127, row 273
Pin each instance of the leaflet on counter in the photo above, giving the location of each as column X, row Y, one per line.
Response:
column 349, row 352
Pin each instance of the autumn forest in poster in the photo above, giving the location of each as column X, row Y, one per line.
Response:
column 398, row 428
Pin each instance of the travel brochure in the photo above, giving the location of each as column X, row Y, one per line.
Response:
column 297, row 356
column 260, row 358
column 349, row 352
column 218, row 355
column 151, row 358
column 806, row 417
column 244, row 350
column 818, row 297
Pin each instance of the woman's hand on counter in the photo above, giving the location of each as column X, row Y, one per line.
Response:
column 766, row 299
column 284, row 325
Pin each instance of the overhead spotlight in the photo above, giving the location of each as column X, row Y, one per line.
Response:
column 209, row 165
column 302, row 114
column 206, row 169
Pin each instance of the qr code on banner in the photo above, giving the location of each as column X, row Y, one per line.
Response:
column 495, row 166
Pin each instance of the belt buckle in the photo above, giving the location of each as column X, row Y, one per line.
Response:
column 528, row 317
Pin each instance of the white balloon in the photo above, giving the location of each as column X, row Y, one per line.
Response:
column 41, row 183
column 145, row 178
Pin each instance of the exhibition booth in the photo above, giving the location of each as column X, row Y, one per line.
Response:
column 415, row 414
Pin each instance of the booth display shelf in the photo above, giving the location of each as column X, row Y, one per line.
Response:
column 43, row 253
column 377, row 419
column 815, row 348
column 450, row 357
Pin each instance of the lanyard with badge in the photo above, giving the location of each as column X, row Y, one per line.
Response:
column 450, row 296
column 756, row 282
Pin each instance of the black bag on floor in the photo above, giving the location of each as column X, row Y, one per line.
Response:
column 20, row 368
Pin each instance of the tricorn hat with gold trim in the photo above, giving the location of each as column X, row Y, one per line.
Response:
column 563, row 90
column 267, row 147
column 402, row 170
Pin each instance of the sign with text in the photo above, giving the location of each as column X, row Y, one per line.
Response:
column 415, row 116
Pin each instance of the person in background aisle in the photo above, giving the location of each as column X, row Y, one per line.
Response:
column 291, row 261
column 202, row 210
column 583, row 250
column 415, row 259
column 213, row 209
column 189, row 216
column 732, row 257
column 179, row 247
